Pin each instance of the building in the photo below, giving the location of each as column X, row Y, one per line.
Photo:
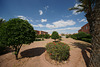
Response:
column 41, row 32
column 85, row 28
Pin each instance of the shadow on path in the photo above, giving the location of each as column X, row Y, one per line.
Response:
column 84, row 48
column 5, row 50
column 33, row 52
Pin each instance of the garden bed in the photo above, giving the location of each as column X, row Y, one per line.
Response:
column 57, row 52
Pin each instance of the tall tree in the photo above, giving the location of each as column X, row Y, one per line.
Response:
column 92, row 10
column 15, row 33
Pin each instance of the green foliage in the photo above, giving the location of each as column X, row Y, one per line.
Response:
column 62, row 34
column 58, row 51
column 37, row 39
column 40, row 36
column 67, row 36
column 60, row 38
column 74, row 36
column 46, row 36
column 82, row 36
column 85, row 5
column 55, row 35
column 16, row 32
column 43, row 36
column 86, row 39
column 2, row 46
column 2, row 49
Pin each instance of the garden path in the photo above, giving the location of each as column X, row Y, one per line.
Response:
column 33, row 55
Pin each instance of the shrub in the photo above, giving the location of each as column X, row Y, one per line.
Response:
column 74, row 36
column 58, row 51
column 16, row 32
column 60, row 38
column 42, row 39
column 37, row 39
column 67, row 36
column 86, row 39
column 46, row 36
column 40, row 36
column 82, row 36
column 88, row 36
column 62, row 34
column 55, row 35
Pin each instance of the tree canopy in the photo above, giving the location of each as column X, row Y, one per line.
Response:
column 55, row 35
column 16, row 32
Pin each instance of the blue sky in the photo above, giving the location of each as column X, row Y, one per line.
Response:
column 45, row 15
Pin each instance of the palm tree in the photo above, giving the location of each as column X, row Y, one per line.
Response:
column 92, row 10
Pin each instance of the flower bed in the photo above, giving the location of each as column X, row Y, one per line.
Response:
column 58, row 51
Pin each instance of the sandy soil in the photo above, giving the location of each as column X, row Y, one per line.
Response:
column 33, row 55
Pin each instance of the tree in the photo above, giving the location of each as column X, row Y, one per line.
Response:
column 55, row 35
column 46, row 36
column 2, row 47
column 16, row 32
column 92, row 10
column 62, row 34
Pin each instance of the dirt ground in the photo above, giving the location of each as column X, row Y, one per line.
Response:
column 33, row 55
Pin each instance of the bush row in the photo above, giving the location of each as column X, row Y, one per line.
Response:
column 81, row 36
column 39, row 39
column 43, row 36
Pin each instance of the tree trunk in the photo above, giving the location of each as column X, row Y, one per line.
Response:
column 55, row 40
column 17, row 49
column 16, row 56
column 94, row 23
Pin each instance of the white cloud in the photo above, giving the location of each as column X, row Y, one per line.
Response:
column 41, row 12
column 73, row 28
column 65, row 30
column 25, row 18
column 2, row 18
column 50, row 26
column 46, row 7
column 43, row 20
column 61, row 23
column 39, row 25
column 75, row 11
column 76, row 5
column 83, row 20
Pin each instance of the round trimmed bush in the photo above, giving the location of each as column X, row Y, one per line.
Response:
column 58, row 51
column 55, row 35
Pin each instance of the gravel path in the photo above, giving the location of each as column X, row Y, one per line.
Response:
column 33, row 55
